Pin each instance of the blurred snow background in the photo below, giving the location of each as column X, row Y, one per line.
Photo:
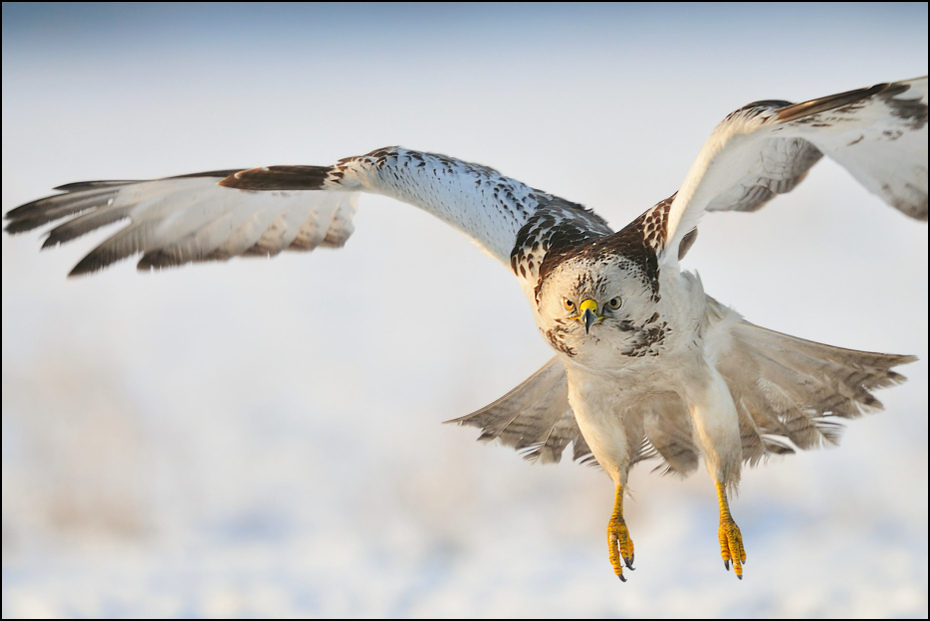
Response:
column 262, row 438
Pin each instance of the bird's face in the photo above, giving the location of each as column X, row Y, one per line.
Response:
column 594, row 310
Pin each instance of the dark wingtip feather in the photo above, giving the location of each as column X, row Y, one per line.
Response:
column 80, row 186
column 50, row 208
column 23, row 226
column 78, row 197
column 30, row 216
column 87, row 265
column 103, row 255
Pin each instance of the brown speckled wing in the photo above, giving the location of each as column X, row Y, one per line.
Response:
column 879, row 134
column 263, row 211
column 557, row 229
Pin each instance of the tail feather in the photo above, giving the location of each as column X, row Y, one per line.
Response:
column 534, row 418
column 789, row 392
column 789, row 387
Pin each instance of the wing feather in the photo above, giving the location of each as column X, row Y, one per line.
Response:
column 263, row 211
column 879, row 134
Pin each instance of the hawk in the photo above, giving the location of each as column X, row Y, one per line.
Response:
column 646, row 365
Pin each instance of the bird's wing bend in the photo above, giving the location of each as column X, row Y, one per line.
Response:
column 878, row 134
column 262, row 211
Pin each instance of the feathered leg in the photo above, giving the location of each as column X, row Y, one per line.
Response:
column 716, row 430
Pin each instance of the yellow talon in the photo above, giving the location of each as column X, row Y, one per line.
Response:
column 619, row 543
column 731, row 541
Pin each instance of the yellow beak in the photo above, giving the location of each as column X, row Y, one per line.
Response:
column 587, row 314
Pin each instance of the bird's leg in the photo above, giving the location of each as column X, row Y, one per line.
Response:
column 618, row 538
column 731, row 541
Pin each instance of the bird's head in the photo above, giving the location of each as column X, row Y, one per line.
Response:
column 598, row 302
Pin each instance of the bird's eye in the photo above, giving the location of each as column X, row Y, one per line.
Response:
column 614, row 303
column 568, row 304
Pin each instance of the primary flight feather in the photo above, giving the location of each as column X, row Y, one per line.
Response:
column 647, row 365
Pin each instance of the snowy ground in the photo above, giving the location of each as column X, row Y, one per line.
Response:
column 262, row 438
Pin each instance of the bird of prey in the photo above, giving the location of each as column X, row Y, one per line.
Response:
column 647, row 365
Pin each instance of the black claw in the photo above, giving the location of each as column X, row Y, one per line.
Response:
column 740, row 577
column 727, row 565
column 622, row 579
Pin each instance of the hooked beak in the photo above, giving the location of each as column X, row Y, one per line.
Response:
column 588, row 314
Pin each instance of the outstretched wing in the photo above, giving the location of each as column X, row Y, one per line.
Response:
column 262, row 211
column 878, row 134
